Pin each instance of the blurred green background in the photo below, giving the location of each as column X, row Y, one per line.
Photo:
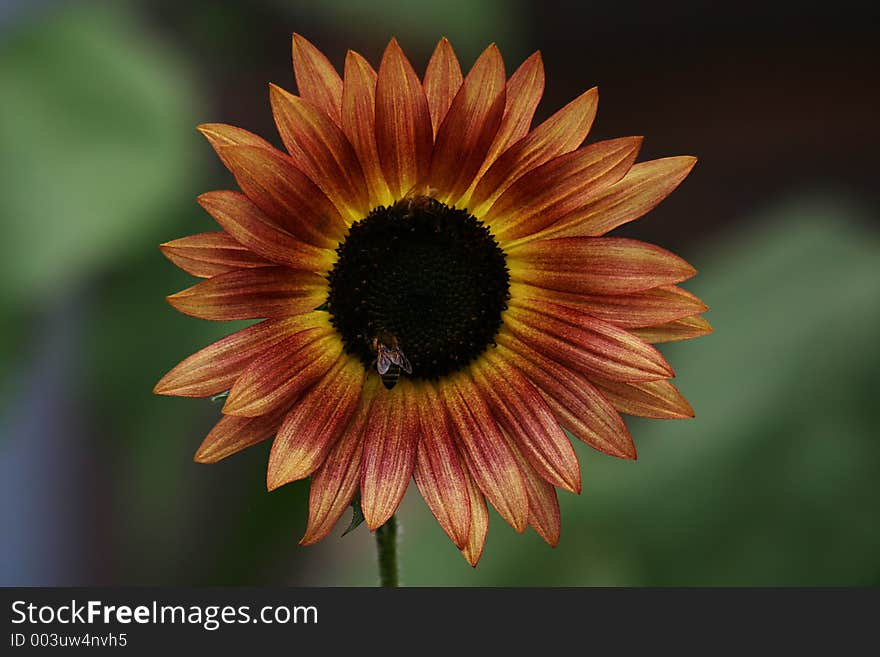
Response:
column 774, row 483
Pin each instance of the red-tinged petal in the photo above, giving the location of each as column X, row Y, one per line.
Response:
column 264, row 292
column 559, row 187
column 561, row 133
column 656, row 399
column 320, row 149
column 584, row 343
column 316, row 79
column 544, row 514
column 442, row 81
column 225, row 138
column 247, row 224
column 637, row 309
column 438, row 470
column 595, row 265
column 334, row 484
column 404, row 136
column 528, row 421
column 208, row 254
column 216, row 367
column 389, row 452
column 312, row 427
column 524, row 91
column 471, row 123
column 485, row 451
column 286, row 194
column 279, row 376
column 639, row 192
column 221, row 135
column 258, row 165
column 359, row 124
column 233, row 434
column 479, row 523
column 678, row 329
column 578, row 405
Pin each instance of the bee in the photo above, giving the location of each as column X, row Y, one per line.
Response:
column 414, row 203
column 390, row 360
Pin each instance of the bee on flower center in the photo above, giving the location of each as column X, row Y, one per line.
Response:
column 390, row 360
column 417, row 203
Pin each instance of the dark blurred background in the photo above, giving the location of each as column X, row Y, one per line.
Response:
column 774, row 483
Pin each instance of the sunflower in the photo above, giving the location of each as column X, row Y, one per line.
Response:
column 438, row 299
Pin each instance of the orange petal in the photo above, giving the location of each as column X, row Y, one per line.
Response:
column 438, row 470
column 528, row 421
column 334, row 484
column 267, row 164
column 442, row 81
column 544, row 513
column 584, row 343
column 678, row 329
column 320, row 149
column 273, row 164
column 485, row 451
column 286, row 194
column 216, row 367
column 389, row 452
column 208, row 254
column 595, row 265
column 657, row 399
column 317, row 420
column 279, row 376
column 639, row 192
column 577, row 404
column 221, row 135
column 524, row 91
column 359, row 124
column 637, row 309
column 479, row 523
column 560, row 187
column 561, row 133
column 404, row 136
column 233, row 434
column 316, row 79
column 466, row 133
column 247, row 224
column 264, row 292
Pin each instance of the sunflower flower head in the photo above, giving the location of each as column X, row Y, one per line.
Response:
column 439, row 301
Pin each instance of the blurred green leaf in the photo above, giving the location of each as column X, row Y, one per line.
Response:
column 97, row 131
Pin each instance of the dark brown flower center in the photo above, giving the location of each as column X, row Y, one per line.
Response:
column 429, row 277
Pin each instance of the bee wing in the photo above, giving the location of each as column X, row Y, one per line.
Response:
column 383, row 360
column 401, row 361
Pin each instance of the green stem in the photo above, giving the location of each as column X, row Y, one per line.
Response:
column 386, row 544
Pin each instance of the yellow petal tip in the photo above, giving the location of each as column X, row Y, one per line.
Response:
column 273, row 483
column 307, row 540
column 203, row 457
column 207, row 129
column 230, row 407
